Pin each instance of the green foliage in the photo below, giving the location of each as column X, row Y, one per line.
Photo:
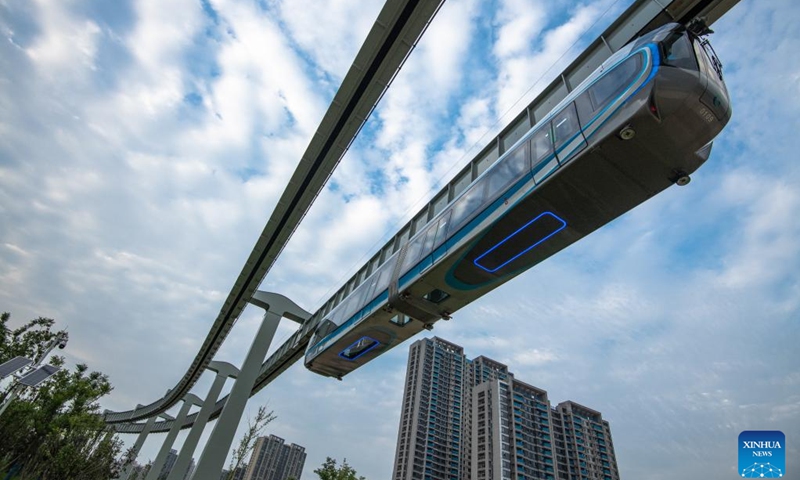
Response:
column 328, row 471
column 255, row 427
column 55, row 431
column 28, row 340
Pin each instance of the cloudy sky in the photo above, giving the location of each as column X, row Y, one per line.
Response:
column 143, row 146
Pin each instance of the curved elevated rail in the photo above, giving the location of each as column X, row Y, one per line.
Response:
column 642, row 16
column 398, row 28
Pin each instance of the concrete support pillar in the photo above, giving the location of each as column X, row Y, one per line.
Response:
column 215, row 452
column 188, row 401
column 223, row 370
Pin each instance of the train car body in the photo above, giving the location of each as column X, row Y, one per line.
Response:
column 641, row 122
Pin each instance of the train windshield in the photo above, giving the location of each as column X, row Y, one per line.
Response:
column 678, row 52
column 613, row 83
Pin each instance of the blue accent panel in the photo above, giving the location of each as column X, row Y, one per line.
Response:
column 369, row 341
column 522, row 228
column 655, row 61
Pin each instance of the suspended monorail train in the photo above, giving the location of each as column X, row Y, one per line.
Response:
column 644, row 120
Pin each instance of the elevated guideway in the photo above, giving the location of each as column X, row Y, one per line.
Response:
column 642, row 16
column 396, row 31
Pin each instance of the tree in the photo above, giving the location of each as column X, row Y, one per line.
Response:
column 255, row 427
column 328, row 471
column 55, row 431
column 28, row 340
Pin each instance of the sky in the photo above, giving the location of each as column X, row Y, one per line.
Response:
column 143, row 146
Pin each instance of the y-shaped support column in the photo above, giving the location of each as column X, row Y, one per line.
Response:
column 223, row 370
column 158, row 464
column 137, row 446
column 277, row 306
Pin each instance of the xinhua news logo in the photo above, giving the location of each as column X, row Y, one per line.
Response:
column 762, row 454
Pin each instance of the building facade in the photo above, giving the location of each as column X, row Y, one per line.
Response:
column 272, row 459
column 471, row 419
column 431, row 439
column 238, row 473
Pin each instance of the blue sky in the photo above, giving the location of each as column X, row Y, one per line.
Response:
column 144, row 144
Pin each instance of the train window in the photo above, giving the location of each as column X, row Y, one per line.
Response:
column 385, row 274
column 565, row 129
column 337, row 314
column 370, row 290
column 441, row 230
column 358, row 296
column 541, row 144
column 323, row 330
column 468, row 203
column 430, row 237
column 511, row 167
column 348, row 308
column 614, row 82
column 412, row 252
column 678, row 51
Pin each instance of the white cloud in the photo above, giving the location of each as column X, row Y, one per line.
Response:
column 126, row 211
column 334, row 45
column 529, row 60
column 69, row 44
column 533, row 357
column 520, row 23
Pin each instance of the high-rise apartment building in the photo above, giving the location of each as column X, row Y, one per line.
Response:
column 471, row 419
column 238, row 473
column 431, row 439
column 169, row 464
column 272, row 459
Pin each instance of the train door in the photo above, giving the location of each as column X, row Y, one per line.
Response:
column 438, row 246
column 543, row 159
column 567, row 136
